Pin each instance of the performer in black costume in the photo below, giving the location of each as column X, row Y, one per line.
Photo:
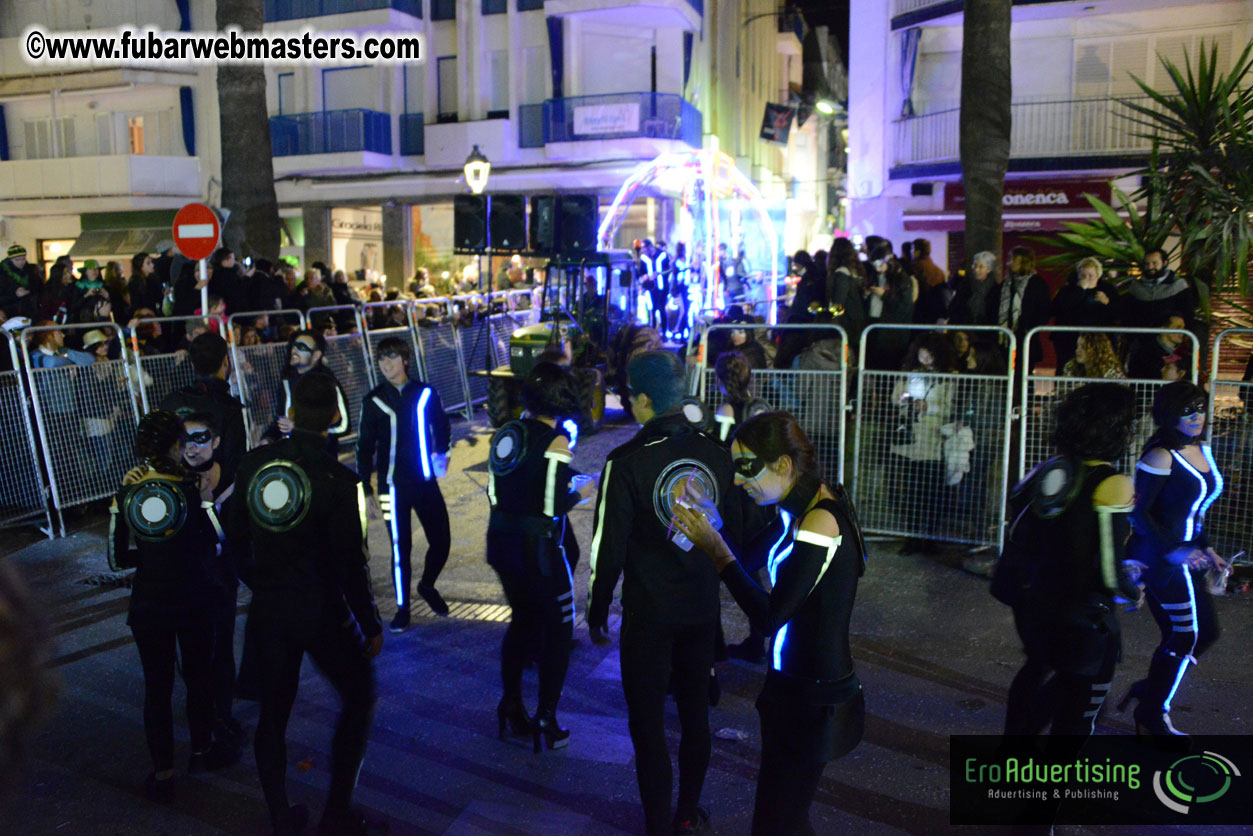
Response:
column 669, row 595
column 1176, row 482
column 306, row 355
column 1063, row 565
column 176, row 585
column 210, row 359
column 299, row 527
column 529, row 488
column 404, row 435
column 812, row 708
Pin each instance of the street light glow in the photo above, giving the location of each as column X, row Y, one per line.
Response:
column 824, row 107
column 476, row 169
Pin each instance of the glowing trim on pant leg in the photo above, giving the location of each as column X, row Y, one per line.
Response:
column 1183, row 663
column 569, row 576
column 395, row 531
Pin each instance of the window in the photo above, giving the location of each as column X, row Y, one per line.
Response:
column 38, row 138
column 496, row 89
column 534, row 75
column 347, row 88
column 495, row 7
column 446, row 80
column 415, row 88
column 1103, row 67
column 286, row 92
column 530, row 5
column 443, row 10
column 135, row 134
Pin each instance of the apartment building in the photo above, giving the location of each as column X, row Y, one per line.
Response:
column 367, row 159
column 1072, row 65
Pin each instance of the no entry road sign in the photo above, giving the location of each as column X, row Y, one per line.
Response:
column 196, row 231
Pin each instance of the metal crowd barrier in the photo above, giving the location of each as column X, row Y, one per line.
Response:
column 931, row 450
column 259, row 369
column 439, row 342
column 1229, row 523
column 377, row 319
column 1042, row 393
column 161, row 373
column 86, row 417
column 23, row 490
column 348, row 358
column 478, row 345
column 814, row 391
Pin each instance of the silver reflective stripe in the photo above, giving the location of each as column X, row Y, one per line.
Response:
column 491, row 487
column 727, row 422
column 342, row 426
column 209, row 510
column 550, row 482
column 391, row 452
column 113, row 512
column 600, row 523
column 1105, row 518
column 286, row 398
column 1156, row 471
column 361, row 510
column 821, row 540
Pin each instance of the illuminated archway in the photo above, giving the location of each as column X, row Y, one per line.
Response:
column 699, row 178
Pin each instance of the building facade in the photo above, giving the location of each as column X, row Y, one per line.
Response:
column 1072, row 65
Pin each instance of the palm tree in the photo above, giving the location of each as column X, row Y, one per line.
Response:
column 244, row 124
column 985, row 119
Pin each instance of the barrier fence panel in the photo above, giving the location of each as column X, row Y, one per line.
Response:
column 439, row 341
column 348, row 359
column 814, row 390
column 477, row 344
column 259, row 369
column 1041, row 393
column 23, row 491
column 391, row 319
column 86, row 417
column 931, row 451
column 1229, row 523
column 159, row 369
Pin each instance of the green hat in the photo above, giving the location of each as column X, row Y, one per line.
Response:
column 16, row 250
column 90, row 264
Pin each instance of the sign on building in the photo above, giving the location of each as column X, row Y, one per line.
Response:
column 594, row 120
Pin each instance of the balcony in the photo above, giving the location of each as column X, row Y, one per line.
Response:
column 281, row 10
column 653, row 121
column 124, row 180
column 330, row 132
column 1041, row 129
column 660, row 14
column 412, row 135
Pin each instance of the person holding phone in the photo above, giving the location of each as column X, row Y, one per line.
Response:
column 404, row 437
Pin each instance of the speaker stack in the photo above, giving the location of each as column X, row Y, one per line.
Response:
column 565, row 225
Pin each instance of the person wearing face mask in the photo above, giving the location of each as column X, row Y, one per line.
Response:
column 1176, row 483
column 812, row 708
column 306, row 355
column 1023, row 301
column 890, row 297
column 669, row 594
column 210, row 393
column 404, row 436
column 1087, row 301
column 201, row 444
column 1156, row 294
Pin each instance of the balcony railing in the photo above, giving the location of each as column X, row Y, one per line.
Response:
column 412, row 135
column 276, row 10
column 904, row 7
column 622, row 116
column 330, row 132
column 1063, row 128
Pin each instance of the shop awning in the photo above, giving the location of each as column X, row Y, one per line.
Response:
column 1012, row 221
column 117, row 244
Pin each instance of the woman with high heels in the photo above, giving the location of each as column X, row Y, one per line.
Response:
column 1070, row 521
column 1176, row 482
column 529, row 487
column 811, row 707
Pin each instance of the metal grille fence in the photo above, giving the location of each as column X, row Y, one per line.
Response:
column 814, row 391
column 442, row 363
column 86, row 417
column 23, row 493
column 477, row 344
column 259, row 369
column 1229, row 523
column 931, row 455
column 1042, row 393
column 160, row 374
column 349, row 360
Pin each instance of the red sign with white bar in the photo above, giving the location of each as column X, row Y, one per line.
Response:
column 196, row 231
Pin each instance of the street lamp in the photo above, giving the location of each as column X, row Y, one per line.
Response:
column 824, row 107
column 476, row 169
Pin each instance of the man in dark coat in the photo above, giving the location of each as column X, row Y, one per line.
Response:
column 1023, row 301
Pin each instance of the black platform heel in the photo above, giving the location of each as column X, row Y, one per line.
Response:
column 1135, row 692
column 545, row 726
column 512, row 713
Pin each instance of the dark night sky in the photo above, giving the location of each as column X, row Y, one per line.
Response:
column 833, row 13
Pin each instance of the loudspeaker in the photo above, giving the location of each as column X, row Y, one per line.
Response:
column 469, row 223
column 506, row 225
column 578, row 219
column 543, row 226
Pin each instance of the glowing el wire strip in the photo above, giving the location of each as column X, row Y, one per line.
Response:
column 421, row 415
column 1200, row 497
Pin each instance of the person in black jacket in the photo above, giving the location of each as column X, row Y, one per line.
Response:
column 226, row 282
column 670, row 594
column 211, row 361
column 529, row 488
column 1087, row 301
column 299, row 525
column 177, row 580
column 811, row 707
column 306, row 355
column 1022, row 302
column 1073, row 511
column 404, row 437
column 145, row 285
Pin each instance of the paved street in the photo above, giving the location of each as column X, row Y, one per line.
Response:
column 934, row 651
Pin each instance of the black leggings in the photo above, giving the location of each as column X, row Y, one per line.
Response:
column 398, row 505
column 337, row 652
column 224, row 654
column 654, row 656
column 542, row 621
column 156, row 645
column 1184, row 612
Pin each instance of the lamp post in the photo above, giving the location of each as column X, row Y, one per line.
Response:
column 476, row 169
